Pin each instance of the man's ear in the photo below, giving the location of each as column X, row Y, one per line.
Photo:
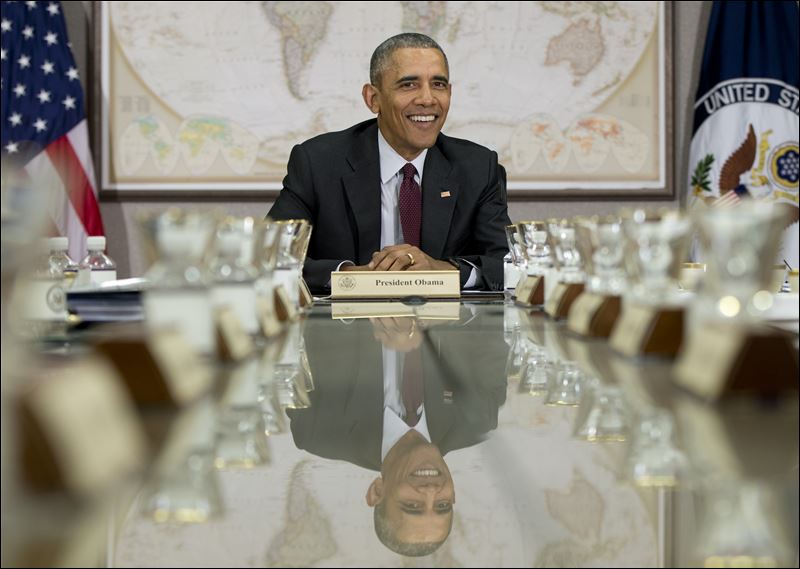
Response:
column 370, row 94
column 375, row 492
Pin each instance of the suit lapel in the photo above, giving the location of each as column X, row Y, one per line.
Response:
column 365, row 400
column 438, row 412
column 437, row 203
column 363, row 189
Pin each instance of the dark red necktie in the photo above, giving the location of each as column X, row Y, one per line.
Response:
column 410, row 204
column 413, row 388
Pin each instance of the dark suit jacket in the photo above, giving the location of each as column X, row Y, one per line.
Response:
column 464, row 379
column 333, row 181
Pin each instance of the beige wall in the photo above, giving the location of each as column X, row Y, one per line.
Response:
column 689, row 25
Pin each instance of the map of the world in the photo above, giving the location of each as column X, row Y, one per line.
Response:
column 212, row 93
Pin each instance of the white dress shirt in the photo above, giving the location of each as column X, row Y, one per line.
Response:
column 391, row 179
column 394, row 427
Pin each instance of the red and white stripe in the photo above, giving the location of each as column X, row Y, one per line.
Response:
column 65, row 171
column 728, row 199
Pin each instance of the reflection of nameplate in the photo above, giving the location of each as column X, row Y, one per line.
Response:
column 69, row 537
column 395, row 284
column 531, row 291
column 306, row 298
column 284, row 307
column 447, row 310
column 233, row 342
column 710, row 441
column 158, row 367
column 241, row 388
column 629, row 375
column 560, row 301
column 594, row 314
column 192, row 430
column 582, row 351
column 556, row 342
column 534, row 324
column 724, row 357
column 648, row 330
column 267, row 319
column 79, row 430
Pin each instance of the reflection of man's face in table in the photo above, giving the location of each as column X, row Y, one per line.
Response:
column 414, row 496
column 462, row 364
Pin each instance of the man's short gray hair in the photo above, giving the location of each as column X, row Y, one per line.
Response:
column 386, row 534
column 382, row 55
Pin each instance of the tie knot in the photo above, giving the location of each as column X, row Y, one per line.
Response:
column 409, row 171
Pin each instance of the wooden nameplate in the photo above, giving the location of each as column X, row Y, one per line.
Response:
column 530, row 292
column 267, row 318
column 560, row 301
column 594, row 315
column 233, row 342
column 648, row 331
column 306, row 298
column 284, row 307
column 395, row 284
column 79, row 431
column 724, row 358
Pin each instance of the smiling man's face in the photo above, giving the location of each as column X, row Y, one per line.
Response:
column 412, row 100
column 416, row 490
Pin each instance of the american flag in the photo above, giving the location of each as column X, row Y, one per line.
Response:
column 44, row 125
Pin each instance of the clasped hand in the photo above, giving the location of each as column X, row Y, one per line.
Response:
column 402, row 257
column 401, row 334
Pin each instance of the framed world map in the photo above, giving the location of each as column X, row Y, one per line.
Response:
column 199, row 97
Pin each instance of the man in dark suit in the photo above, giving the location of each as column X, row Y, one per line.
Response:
column 360, row 188
column 354, row 415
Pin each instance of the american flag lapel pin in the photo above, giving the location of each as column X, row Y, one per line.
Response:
column 444, row 195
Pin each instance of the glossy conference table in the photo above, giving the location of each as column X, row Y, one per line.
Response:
column 534, row 486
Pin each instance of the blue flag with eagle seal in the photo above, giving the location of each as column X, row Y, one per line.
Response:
column 745, row 132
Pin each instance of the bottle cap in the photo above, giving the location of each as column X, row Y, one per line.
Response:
column 96, row 243
column 58, row 243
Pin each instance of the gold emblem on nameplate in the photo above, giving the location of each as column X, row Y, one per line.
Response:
column 56, row 298
column 347, row 283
